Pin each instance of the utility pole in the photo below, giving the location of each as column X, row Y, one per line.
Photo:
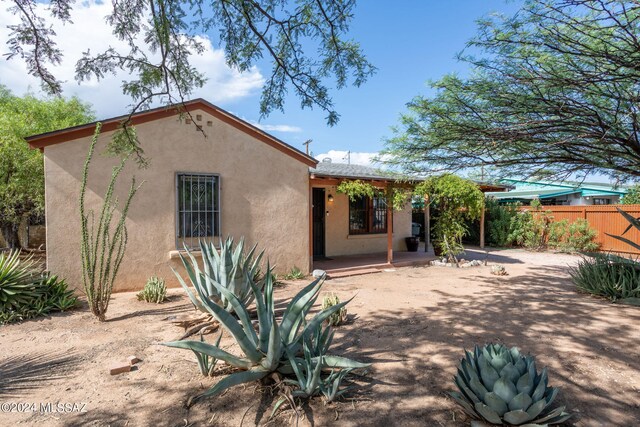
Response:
column 306, row 144
column 348, row 157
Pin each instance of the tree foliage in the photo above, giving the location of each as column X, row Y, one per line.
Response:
column 456, row 201
column 632, row 197
column 22, row 169
column 304, row 41
column 553, row 91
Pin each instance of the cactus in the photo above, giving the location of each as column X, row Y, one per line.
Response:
column 154, row 290
column 339, row 316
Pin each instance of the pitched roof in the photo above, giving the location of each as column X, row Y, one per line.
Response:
column 595, row 186
column 343, row 170
column 63, row 135
column 530, row 194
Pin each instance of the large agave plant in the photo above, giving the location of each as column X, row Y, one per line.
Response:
column 500, row 386
column 17, row 280
column 275, row 345
column 226, row 266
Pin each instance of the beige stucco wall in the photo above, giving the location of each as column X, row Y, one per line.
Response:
column 337, row 238
column 264, row 197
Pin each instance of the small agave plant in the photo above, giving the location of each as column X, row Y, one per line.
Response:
column 228, row 267
column 498, row 385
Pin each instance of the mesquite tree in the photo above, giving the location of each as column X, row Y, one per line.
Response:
column 21, row 168
column 103, row 243
column 304, row 41
column 553, row 90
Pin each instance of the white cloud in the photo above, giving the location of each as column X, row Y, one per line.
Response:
column 277, row 128
column 355, row 158
column 90, row 31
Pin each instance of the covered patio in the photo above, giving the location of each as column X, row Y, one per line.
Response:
column 353, row 265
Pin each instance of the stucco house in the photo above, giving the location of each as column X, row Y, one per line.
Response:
column 235, row 180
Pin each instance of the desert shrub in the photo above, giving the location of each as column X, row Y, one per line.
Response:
column 339, row 316
column 632, row 197
column 290, row 348
column 498, row 222
column 228, row 266
column 25, row 293
column 530, row 230
column 535, row 230
column 558, row 233
column 294, row 274
column 580, row 237
column 498, row 385
column 607, row 275
column 154, row 290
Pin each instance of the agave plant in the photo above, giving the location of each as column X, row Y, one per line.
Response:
column 17, row 286
column 273, row 348
column 228, row 267
column 499, row 385
column 608, row 275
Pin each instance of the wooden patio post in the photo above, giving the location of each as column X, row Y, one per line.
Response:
column 389, row 225
column 482, row 228
column 427, row 224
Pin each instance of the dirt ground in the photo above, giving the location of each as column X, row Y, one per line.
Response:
column 412, row 324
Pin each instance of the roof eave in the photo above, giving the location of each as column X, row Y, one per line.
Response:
column 63, row 135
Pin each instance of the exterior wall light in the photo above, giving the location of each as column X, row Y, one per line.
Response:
column 330, row 198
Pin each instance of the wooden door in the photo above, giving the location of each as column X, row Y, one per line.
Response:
column 318, row 223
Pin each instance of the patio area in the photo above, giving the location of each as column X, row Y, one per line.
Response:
column 353, row 265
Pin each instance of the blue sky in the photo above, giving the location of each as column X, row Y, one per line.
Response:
column 410, row 43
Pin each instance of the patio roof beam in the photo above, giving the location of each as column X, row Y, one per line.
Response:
column 336, row 181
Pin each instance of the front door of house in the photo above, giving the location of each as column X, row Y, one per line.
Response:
column 318, row 223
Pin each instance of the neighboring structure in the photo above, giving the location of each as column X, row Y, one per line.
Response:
column 565, row 193
column 237, row 181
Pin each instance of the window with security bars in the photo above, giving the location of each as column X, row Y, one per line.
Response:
column 198, row 210
column 368, row 215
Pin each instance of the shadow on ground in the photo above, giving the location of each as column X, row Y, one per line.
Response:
column 20, row 375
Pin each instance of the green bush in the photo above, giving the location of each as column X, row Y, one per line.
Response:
column 535, row 230
column 575, row 237
column 154, row 290
column 529, row 230
column 454, row 201
column 294, row 274
column 581, row 237
column 26, row 293
column 632, row 197
column 498, row 220
column 608, row 275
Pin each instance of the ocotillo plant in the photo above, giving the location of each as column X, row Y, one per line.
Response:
column 103, row 245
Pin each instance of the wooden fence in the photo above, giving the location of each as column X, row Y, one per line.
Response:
column 604, row 219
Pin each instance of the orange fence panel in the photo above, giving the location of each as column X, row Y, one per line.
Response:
column 604, row 219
